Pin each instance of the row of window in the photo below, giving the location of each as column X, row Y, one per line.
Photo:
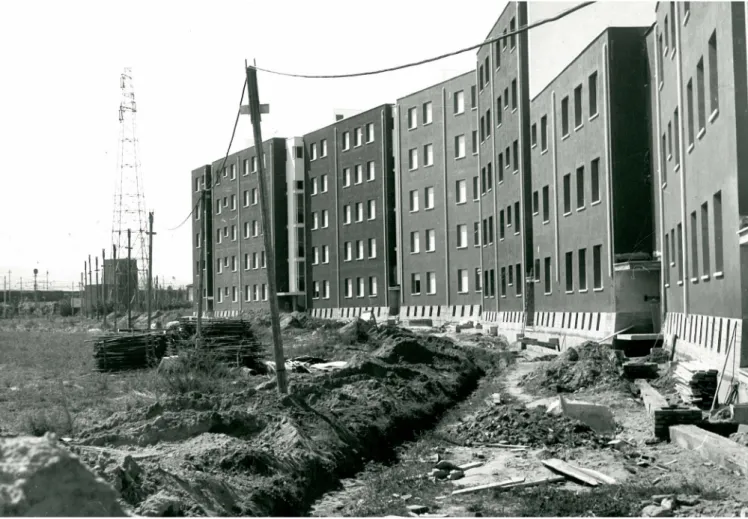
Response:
column 371, row 212
column 322, row 149
column 428, row 196
column 700, row 235
column 580, row 188
column 360, row 287
column 427, row 115
column 325, row 216
column 358, row 137
column 669, row 32
column 581, row 283
column 502, row 103
column 250, row 166
column 484, row 71
column 251, row 261
column 321, row 289
column 371, row 246
column 257, row 293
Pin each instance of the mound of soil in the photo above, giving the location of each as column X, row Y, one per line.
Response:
column 577, row 368
column 256, row 453
column 518, row 425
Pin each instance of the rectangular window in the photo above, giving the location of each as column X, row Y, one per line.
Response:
column 718, row 244
column 346, row 141
column 370, row 132
column 700, row 94
column 502, row 275
column 346, row 177
column 689, row 101
column 429, row 197
column 490, row 230
column 371, row 210
column 325, row 254
column 461, row 236
column 473, row 100
column 359, row 211
column 431, row 283
column 704, row 239
column 459, row 146
column 508, row 155
column 412, row 118
column 680, row 252
column 483, row 180
column 359, row 249
column 413, row 159
column 314, row 186
column 547, row 275
column 348, row 251
column 371, row 172
column 676, row 138
column 663, row 165
column 459, row 102
column 510, row 271
column 315, row 255
column 359, row 169
column 517, row 219
column 348, row 288
column 569, row 272
column 565, row 116
column 534, row 135
column 197, row 240
column 484, row 236
column 582, row 270
column 597, row 266
column 694, row 247
column 488, row 122
column 593, row 94
column 535, row 203
column 415, row 284
column 489, row 177
column 580, row 187
column 315, row 290
column 323, row 146
column 347, row 214
column 476, row 189
column 661, row 50
column 476, row 234
column 323, row 183
column 245, row 198
column 475, row 142
column 325, row 218
column 315, row 220
column 415, row 242
column 512, row 37
column 515, row 156
column 578, row 106
column 500, row 169
column 544, row 133
column 509, row 216
column 478, row 279
column 520, row 280
column 430, row 240
column 666, row 32
column 372, row 286
column 498, row 111
column 713, row 73
column 427, row 113
column 461, row 191
column 567, row 193
column 506, row 98
column 462, row 281
column 514, row 94
column 501, row 225
column 595, row 180
column 666, row 262
column 414, row 201
column 233, row 202
column 372, row 248
column 255, row 263
column 428, row 155
column 326, row 289
column 313, row 151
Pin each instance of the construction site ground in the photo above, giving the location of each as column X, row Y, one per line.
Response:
column 357, row 440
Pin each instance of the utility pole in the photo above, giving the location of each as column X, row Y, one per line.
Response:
column 129, row 309
column 96, row 288
column 254, row 113
column 10, row 290
column 103, row 282
column 47, row 281
column 36, row 291
column 5, row 298
column 116, row 282
column 150, row 263
column 80, row 293
column 200, row 276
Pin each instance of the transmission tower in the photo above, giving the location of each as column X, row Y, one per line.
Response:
column 129, row 196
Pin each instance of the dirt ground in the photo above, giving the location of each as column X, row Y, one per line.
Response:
column 388, row 489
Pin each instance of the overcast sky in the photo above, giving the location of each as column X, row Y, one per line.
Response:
column 61, row 63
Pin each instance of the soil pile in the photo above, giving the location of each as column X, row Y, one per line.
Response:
column 586, row 366
column 256, row 453
column 517, row 425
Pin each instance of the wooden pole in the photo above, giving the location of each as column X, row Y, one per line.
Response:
column 103, row 283
column 267, row 234
column 129, row 306
column 116, row 284
column 96, row 288
column 150, row 264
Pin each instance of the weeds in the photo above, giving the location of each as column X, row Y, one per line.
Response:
column 195, row 370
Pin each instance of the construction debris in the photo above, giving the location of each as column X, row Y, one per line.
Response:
column 570, row 471
column 226, row 340
column 640, row 370
column 667, row 417
column 128, row 351
column 695, row 383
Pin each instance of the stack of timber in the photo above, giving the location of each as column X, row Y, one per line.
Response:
column 229, row 340
column 666, row 417
column 128, row 351
column 695, row 383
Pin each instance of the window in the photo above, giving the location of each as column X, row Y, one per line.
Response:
column 515, row 156
column 313, row 149
column 370, row 132
column 348, row 288
column 476, row 234
column 371, row 209
column 700, row 95
column 427, row 113
column 359, row 249
column 480, row 77
column 428, row 155
column 713, row 73
column 372, row 248
column 346, row 177
column 233, row 177
column 348, row 251
column 489, row 177
column 669, row 140
column 325, row 218
column 547, row 272
column 473, row 100
column 663, row 165
column 461, row 191
column 544, row 133
column 430, row 240
column 514, row 94
column 567, row 193
column 536, row 271
column 565, row 116
column 413, row 159
column 509, row 216
column 415, row 284
column 534, row 135
column 315, row 220
column 459, row 102
column 580, row 187
column 500, row 169
column 680, row 253
column 504, row 40
column 508, row 155
column 517, row 220
column 323, row 183
column 478, row 279
column 197, row 240
column 255, row 293
column 462, row 281
column 569, row 272
column 595, row 180
column 255, row 263
column 461, row 236
column 246, row 230
column 487, row 68
column 694, row 247
column 346, row 214
column 661, row 50
column 358, row 136
column 597, row 268
column 674, row 19
column 315, row 290
column 414, row 201
column 254, row 164
column 323, row 147
column 220, row 295
column 314, row 186
column 513, row 37
column 718, row 251
column 233, row 263
column 689, row 101
column 262, row 259
column 245, row 198
column 582, row 270
column 676, row 142
column 506, row 98
column 510, row 271
column 535, row 203
column 520, row 280
column 475, row 142
column 476, row 193
column 412, row 118
column 482, row 129
column 666, row 263
column 488, row 123
column 372, row 286
column 218, row 207
column 346, row 141
column 429, row 196
column 415, row 242
column 359, row 169
column 666, row 32
column 371, row 171
column 459, row 146
column 431, row 283
column 315, row 255
column 255, row 228
column 359, row 211
column 578, row 106
column 484, row 236
column 498, row 111
column 325, row 254
column 502, row 275
column 326, row 289
column 704, row 240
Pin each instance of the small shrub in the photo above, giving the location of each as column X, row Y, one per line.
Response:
column 41, row 421
column 195, row 370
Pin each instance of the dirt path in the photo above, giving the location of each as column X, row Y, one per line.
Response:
column 389, row 490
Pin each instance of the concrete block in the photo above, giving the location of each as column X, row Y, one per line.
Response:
column 713, row 447
column 652, row 398
column 598, row 417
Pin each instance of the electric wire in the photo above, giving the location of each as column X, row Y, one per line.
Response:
column 228, row 150
column 437, row 58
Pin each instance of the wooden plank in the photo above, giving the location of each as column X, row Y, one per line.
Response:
column 710, row 446
column 602, row 478
column 468, row 466
column 543, row 481
column 572, row 472
column 488, row 486
column 652, row 398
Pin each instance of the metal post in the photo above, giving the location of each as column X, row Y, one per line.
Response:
column 254, row 112
column 103, row 282
column 129, row 309
column 150, row 263
column 116, row 283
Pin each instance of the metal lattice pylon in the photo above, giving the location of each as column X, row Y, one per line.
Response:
column 129, row 196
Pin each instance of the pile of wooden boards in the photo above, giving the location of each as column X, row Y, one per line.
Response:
column 695, row 383
column 128, row 351
column 232, row 341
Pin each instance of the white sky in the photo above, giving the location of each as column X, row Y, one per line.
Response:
column 59, row 97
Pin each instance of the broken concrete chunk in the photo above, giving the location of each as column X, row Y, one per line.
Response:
column 418, row 509
column 656, row 511
column 668, row 503
column 598, row 417
column 161, row 504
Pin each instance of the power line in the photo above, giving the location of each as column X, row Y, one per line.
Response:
column 437, row 58
column 231, row 142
